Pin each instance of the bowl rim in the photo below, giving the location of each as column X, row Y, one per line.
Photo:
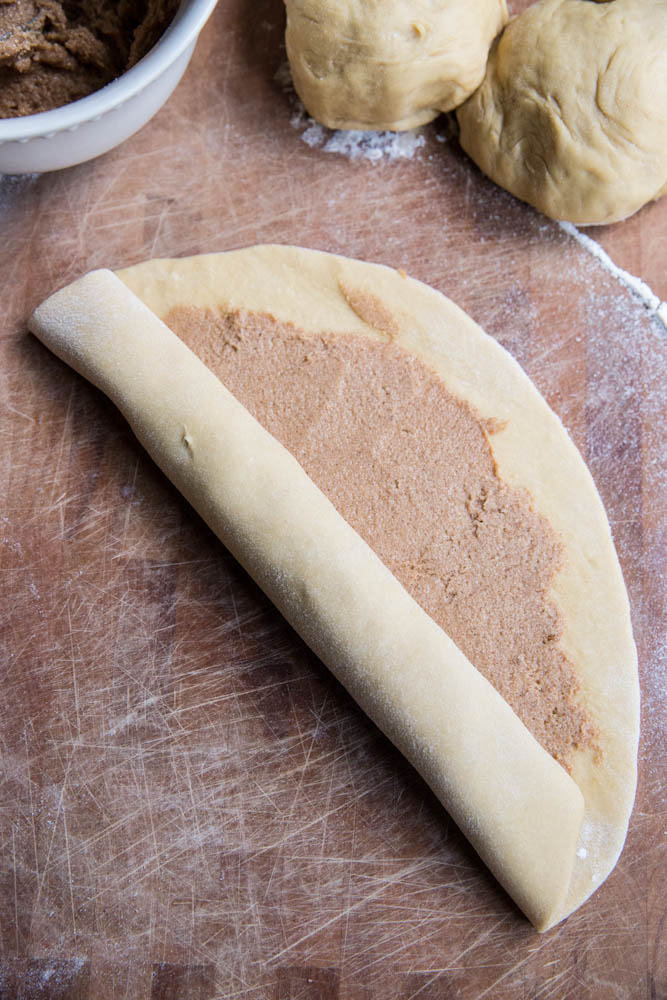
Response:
column 182, row 32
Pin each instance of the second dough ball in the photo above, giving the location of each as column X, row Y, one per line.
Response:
column 572, row 114
column 379, row 65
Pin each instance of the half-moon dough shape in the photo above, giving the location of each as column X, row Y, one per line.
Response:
column 549, row 837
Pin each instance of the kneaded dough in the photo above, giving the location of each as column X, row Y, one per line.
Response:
column 572, row 114
column 549, row 838
column 375, row 65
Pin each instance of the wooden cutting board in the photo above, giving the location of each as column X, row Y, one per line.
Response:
column 191, row 806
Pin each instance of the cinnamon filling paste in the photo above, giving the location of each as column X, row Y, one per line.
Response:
column 53, row 52
column 409, row 466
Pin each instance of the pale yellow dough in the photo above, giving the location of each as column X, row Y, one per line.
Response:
column 572, row 114
column 379, row 65
column 550, row 839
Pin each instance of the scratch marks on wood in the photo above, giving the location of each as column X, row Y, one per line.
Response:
column 70, row 882
column 16, row 900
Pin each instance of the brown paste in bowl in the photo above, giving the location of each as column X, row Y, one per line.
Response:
column 53, row 52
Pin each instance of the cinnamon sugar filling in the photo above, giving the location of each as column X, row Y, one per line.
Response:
column 410, row 467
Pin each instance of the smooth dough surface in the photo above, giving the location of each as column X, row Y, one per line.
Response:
column 519, row 808
column 375, row 65
column 572, row 114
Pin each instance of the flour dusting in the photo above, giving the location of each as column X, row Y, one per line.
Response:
column 356, row 144
column 639, row 288
column 12, row 186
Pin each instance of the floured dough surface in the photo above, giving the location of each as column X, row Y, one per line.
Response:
column 374, row 65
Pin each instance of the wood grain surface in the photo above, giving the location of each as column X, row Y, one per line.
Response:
column 191, row 807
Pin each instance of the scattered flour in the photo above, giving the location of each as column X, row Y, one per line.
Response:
column 357, row 145
column 354, row 143
column 381, row 146
column 639, row 288
column 11, row 187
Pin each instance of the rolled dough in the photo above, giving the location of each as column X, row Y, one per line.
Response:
column 549, row 838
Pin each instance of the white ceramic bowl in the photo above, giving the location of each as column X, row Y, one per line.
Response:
column 87, row 128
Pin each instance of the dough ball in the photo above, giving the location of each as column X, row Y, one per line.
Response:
column 572, row 114
column 379, row 65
